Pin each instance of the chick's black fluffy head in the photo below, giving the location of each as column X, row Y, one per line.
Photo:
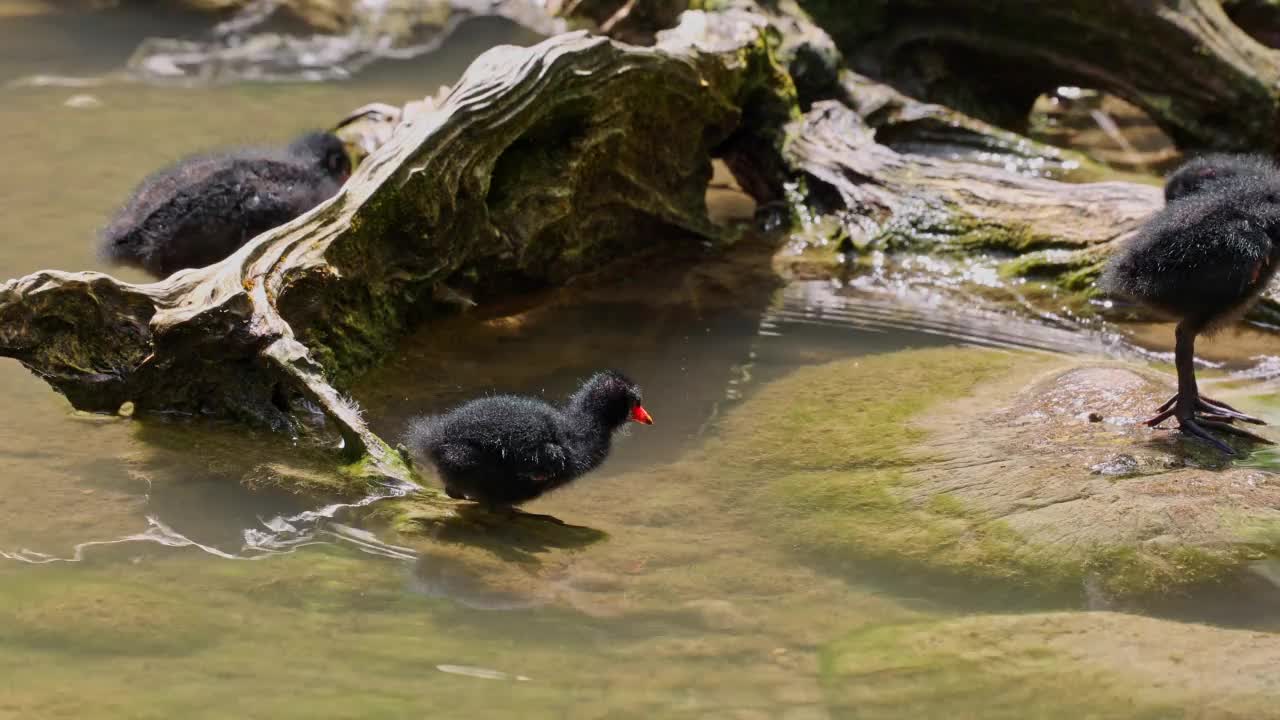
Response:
column 609, row 396
column 1212, row 170
column 326, row 151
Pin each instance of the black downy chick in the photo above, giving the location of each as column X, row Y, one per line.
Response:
column 506, row 450
column 1203, row 259
column 1213, row 168
column 206, row 207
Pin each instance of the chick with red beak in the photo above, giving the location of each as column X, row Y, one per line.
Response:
column 505, row 450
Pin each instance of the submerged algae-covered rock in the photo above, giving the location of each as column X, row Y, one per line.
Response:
column 1052, row 665
column 101, row 617
column 987, row 465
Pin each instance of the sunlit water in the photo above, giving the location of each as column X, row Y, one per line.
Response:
column 144, row 577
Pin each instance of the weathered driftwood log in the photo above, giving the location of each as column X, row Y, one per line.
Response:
column 539, row 164
column 908, row 125
column 923, row 202
column 1259, row 18
column 1202, row 78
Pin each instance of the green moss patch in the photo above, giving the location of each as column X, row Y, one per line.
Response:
column 1067, row 665
column 850, row 414
column 838, row 463
column 66, row 613
column 828, row 448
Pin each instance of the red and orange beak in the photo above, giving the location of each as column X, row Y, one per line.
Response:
column 640, row 415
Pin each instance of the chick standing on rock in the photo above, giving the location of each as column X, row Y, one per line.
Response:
column 505, row 450
column 1203, row 259
column 204, row 208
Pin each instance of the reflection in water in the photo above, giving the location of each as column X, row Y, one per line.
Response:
column 271, row 536
column 926, row 318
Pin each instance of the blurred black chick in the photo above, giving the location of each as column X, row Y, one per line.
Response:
column 205, row 207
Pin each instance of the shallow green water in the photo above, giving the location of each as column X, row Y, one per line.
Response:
column 144, row 577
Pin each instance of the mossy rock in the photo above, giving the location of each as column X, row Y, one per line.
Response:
column 984, row 465
column 850, row 414
column 1056, row 665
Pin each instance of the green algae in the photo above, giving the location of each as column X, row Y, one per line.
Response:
column 1059, row 665
column 850, row 414
column 1048, row 264
column 118, row 616
column 828, row 446
column 296, row 626
column 261, row 463
column 917, row 680
column 1147, row 572
column 969, row 234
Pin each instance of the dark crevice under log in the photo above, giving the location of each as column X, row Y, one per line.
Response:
column 1202, row 78
column 908, row 125
column 1259, row 18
